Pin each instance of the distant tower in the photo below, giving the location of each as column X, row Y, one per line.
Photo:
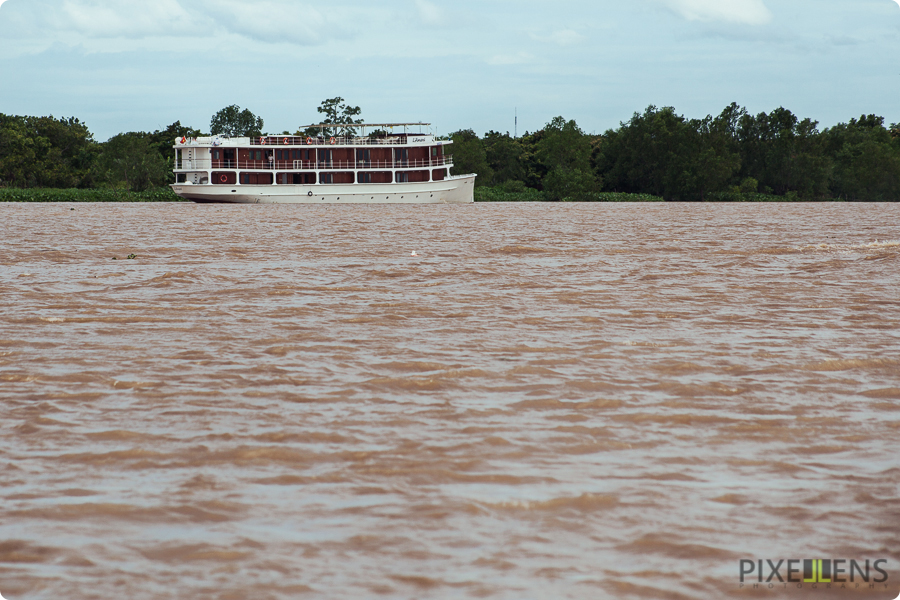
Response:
column 516, row 125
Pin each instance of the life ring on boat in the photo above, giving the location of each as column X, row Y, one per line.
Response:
column 332, row 141
column 308, row 141
column 309, row 193
column 285, row 141
column 223, row 178
column 262, row 141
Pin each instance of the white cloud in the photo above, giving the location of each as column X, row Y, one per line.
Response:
column 562, row 37
column 522, row 58
column 119, row 25
column 749, row 12
column 119, row 18
column 430, row 14
column 272, row 20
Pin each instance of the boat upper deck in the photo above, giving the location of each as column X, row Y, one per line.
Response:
column 380, row 137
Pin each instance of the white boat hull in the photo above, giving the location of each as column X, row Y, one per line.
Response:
column 452, row 190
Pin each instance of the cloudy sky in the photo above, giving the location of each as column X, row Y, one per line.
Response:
column 124, row 65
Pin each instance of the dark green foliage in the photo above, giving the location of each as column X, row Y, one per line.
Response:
column 866, row 159
column 231, row 121
column 505, row 157
column 133, row 160
column 469, row 156
column 164, row 194
column 565, row 153
column 664, row 154
column 44, row 151
column 783, row 153
column 734, row 156
column 535, row 170
column 507, row 193
column 737, row 156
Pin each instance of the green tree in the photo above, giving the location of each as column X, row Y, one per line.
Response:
column 18, row 153
column 784, row 153
column 660, row 152
column 535, row 170
column 337, row 111
column 469, row 157
column 565, row 152
column 231, row 121
column 717, row 161
column 644, row 155
column 504, row 155
column 132, row 160
column 45, row 152
column 866, row 160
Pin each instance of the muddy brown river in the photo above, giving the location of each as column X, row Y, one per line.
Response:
column 547, row 401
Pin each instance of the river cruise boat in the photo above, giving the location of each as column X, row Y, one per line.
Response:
column 384, row 167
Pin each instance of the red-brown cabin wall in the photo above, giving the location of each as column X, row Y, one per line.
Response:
column 339, row 177
column 414, row 176
column 256, row 178
column 224, row 177
column 342, row 154
column 375, row 177
column 419, row 154
column 380, row 154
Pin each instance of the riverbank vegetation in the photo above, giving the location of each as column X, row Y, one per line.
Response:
column 735, row 156
column 52, row 153
column 104, row 194
column 656, row 155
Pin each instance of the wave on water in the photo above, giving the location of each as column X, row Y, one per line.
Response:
column 572, row 400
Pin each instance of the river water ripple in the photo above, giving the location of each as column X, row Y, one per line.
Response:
column 548, row 401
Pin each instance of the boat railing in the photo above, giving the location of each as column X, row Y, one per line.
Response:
column 299, row 140
column 311, row 165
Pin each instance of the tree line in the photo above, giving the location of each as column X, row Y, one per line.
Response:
column 48, row 152
column 735, row 155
